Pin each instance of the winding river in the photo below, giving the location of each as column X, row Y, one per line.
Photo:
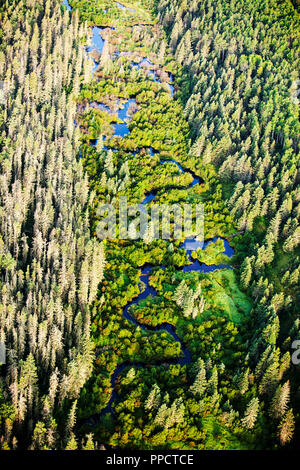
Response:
column 121, row 130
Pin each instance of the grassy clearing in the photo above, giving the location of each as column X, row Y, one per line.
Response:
column 227, row 296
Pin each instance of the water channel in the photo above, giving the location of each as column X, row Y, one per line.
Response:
column 121, row 130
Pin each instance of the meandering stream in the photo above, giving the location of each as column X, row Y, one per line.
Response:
column 121, row 130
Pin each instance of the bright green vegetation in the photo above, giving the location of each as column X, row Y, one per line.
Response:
column 228, row 297
column 169, row 420
column 63, row 293
column 107, row 13
column 209, row 311
column 157, row 123
column 213, row 254
column 220, row 294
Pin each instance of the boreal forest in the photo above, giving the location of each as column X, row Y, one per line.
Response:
column 140, row 341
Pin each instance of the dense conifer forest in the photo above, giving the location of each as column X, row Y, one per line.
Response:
column 140, row 343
